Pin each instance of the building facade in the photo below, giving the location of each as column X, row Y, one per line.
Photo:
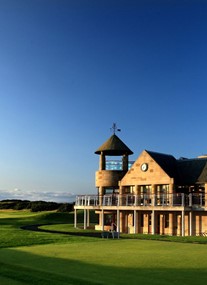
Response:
column 156, row 194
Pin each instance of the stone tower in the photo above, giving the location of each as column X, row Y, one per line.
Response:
column 108, row 177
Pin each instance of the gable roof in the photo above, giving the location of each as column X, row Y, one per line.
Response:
column 193, row 171
column 166, row 161
column 114, row 146
column 184, row 171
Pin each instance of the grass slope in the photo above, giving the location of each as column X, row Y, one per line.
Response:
column 11, row 235
column 64, row 259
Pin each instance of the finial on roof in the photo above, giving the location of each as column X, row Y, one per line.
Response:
column 114, row 146
column 114, row 128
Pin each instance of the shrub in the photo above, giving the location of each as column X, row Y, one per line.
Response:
column 21, row 205
column 38, row 206
column 66, row 207
column 35, row 206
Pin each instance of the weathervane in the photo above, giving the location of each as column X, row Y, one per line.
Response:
column 114, row 128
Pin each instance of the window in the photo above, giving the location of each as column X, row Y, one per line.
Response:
column 145, row 189
column 129, row 189
column 109, row 191
column 162, row 194
column 117, row 164
column 145, row 194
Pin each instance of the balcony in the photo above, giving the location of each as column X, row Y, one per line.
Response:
column 195, row 201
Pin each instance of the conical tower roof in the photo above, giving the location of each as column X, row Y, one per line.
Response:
column 114, row 146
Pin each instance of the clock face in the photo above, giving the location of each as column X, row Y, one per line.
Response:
column 144, row 166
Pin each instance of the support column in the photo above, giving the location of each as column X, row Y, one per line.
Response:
column 102, row 224
column 138, row 221
column 136, row 191
column 135, row 221
column 171, row 224
column 102, row 162
column 121, row 190
column 183, row 223
column 125, row 162
column 153, row 196
column 153, row 222
column 162, row 224
column 88, row 218
column 101, row 194
column 118, row 221
column 85, row 218
column 190, row 223
column 183, row 199
column 75, row 218
column 171, row 194
column 178, row 224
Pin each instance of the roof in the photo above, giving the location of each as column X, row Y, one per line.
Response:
column 193, row 170
column 184, row 171
column 114, row 146
column 166, row 161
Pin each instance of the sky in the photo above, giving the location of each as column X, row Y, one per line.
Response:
column 69, row 69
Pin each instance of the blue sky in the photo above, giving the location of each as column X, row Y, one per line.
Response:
column 69, row 69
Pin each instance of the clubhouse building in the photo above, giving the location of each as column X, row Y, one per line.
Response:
column 156, row 194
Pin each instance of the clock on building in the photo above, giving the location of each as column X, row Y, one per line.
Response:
column 144, row 166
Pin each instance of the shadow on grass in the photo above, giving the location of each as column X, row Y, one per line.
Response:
column 26, row 218
column 74, row 233
column 29, row 268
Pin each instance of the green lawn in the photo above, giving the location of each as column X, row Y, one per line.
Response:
column 50, row 258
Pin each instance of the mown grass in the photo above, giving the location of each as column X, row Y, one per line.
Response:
column 48, row 258
column 187, row 239
column 11, row 234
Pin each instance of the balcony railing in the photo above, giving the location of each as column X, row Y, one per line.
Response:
column 184, row 200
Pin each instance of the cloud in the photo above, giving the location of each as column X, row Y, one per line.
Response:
column 16, row 193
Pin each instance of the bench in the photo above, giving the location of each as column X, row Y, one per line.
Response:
column 112, row 234
column 115, row 234
column 105, row 234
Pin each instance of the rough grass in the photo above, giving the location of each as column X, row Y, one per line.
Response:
column 50, row 258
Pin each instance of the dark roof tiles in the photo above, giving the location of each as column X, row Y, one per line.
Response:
column 184, row 171
column 166, row 161
column 193, row 170
column 113, row 146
